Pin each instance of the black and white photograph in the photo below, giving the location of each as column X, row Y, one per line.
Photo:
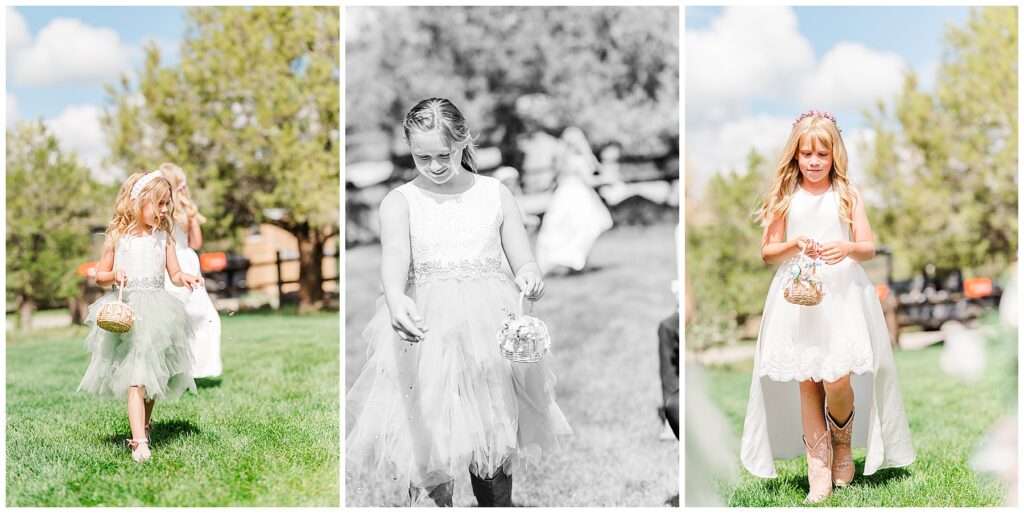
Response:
column 511, row 256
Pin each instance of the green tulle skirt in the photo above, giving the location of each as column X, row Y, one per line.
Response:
column 155, row 353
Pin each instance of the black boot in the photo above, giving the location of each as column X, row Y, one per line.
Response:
column 495, row 492
column 442, row 494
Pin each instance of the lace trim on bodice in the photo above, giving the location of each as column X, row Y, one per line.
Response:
column 428, row 272
column 147, row 282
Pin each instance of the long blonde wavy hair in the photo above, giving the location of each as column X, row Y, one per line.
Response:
column 787, row 173
column 128, row 210
column 184, row 208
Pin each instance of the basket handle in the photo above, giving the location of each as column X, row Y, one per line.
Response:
column 522, row 300
column 120, row 292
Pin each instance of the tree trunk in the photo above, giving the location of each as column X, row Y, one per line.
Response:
column 25, row 309
column 311, row 258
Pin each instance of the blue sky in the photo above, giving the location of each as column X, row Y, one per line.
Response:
column 60, row 58
column 134, row 26
column 750, row 71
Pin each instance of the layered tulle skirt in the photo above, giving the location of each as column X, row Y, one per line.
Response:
column 155, row 353
column 826, row 341
column 426, row 412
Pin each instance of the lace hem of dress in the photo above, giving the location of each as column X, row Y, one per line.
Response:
column 786, row 362
column 148, row 282
column 462, row 270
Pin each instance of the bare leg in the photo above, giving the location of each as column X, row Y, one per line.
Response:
column 136, row 420
column 137, row 412
column 839, row 395
column 840, row 398
column 812, row 404
column 816, row 439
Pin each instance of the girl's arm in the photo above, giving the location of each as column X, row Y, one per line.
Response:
column 775, row 248
column 195, row 233
column 863, row 246
column 105, row 273
column 516, row 244
column 178, row 277
column 394, row 267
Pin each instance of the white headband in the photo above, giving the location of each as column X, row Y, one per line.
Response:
column 143, row 181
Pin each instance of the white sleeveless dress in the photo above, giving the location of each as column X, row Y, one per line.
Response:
column 844, row 334
column 426, row 412
column 156, row 352
column 202, row 314
column 575, row 219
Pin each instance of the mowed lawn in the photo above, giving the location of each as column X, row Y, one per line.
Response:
column 604, row 327
column 263, row 434
column 948, row 419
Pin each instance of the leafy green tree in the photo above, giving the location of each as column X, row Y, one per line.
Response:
column 251, row 112
column 52, row 203
column 723, row 262
column 612, row 71
column 945, row 163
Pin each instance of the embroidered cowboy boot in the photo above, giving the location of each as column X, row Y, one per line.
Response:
column 819, row 468
column 842, row 451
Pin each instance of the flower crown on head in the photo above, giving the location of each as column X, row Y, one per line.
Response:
column 822, row 113
column 137, row 188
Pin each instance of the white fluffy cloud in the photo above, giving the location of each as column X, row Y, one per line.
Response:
column 11, row 112
column 747, row 52
column 66, row 51
column 852, row 76
column 78, row 129
column 17, row 34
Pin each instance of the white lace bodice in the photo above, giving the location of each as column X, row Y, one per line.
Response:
column 455, row 236
column 143, row 258
column 816, row 217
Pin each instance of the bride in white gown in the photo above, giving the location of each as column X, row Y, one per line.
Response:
column 188, row 238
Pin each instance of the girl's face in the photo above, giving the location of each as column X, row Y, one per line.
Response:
column 814, row 159
column 154, row 213
column 434, row 159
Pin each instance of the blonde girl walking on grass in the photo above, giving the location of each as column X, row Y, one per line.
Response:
column 153, row 359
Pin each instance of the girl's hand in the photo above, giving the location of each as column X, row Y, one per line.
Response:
column 191, row 282
column 406, row 320
column 120, row 278
column 808, row 246
column 532, row 284
column 834, row 252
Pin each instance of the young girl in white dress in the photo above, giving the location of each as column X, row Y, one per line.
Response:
column 825, row 371
column 436, row 398
column 188, row 238
column 153, row 359
column 576, row 216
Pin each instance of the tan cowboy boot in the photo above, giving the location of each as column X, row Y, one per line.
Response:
column 842, row 452
column 819, row 468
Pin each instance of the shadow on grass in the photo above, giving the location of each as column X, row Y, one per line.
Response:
column 208, row 382
column 673, row 501
column 164, row 431
column 878, row 479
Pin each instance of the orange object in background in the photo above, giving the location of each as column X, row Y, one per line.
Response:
column 882, row 290
column 978, row 287
column 88, row 269
column 213, row 261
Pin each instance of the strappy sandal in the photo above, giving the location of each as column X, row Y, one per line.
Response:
column 140, row 449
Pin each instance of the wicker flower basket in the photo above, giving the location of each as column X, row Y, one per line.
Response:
column 116, row 316
column 804, row 288
column 523, row 338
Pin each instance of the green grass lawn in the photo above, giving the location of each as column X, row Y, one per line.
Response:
column 947, row 420
column 263, row 434
column 604, row 329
